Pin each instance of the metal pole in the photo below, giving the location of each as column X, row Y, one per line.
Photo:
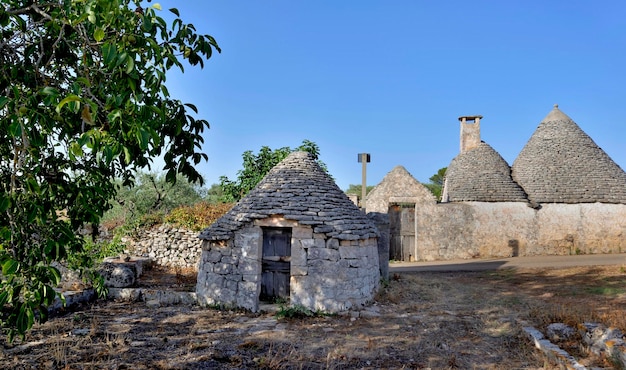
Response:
column 363, row 158
column 363, row 180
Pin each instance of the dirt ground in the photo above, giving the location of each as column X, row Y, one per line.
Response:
column 418, row 321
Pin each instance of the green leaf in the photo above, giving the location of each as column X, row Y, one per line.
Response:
column 130, row 65
column 84, row 139
column 109, row 53
column 127, row 156
column 170, row 176
column 15, row 129
column 192, row 107
column 157, row 6
column 10, row 266
column 147, row 23
column 3, row 101
column 55, row 274
column 121, row 58
column 70, row 98
column 76, row 149
column 5, row 233
column 4, row 298
column 114, row 115
column 143, row 138
column 175, row 11
column 49, row 294
column 132, row 84
column 48, row 90
column 98, row 34
column 5, row 202
column 25, row 318
column 84, row 81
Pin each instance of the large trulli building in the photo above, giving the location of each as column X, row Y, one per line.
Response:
column 563, row 195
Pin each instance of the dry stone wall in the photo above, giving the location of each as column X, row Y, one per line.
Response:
column 505, row 229
column 167, row 245
column 327, row 274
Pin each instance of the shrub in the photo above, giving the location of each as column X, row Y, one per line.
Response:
column 198, row 216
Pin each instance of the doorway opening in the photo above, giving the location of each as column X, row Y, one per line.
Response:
column 275, row 264
column 402, row 231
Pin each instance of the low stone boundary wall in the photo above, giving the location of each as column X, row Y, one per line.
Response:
column 166, row 245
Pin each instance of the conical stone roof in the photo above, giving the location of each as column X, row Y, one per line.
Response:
column 298, row 189
column 400, row 183
column 562, row 164
column 481, row 175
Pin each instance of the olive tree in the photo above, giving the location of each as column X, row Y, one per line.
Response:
column 152, row 194
column 83, row 101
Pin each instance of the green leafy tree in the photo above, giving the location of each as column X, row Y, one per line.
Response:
column 83, row 100
column 214, row 194
column 356, row 189
column 436, row 182
column 256, row 166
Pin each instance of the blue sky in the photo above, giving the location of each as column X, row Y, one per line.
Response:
column 391, row 78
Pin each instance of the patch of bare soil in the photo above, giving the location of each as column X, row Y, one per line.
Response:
column 419, row 320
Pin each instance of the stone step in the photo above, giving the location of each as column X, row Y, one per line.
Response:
column 153, row 297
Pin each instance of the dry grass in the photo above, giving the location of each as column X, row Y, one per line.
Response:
column 419, row 320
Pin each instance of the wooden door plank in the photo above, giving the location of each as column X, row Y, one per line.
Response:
column 276, row 262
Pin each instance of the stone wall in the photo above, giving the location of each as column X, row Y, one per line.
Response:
column 381, row 220
column 167, row 246
column 504, row 229
column 326, row 273
column 335, row 278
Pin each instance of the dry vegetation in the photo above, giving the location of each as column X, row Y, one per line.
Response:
column 419, row 320
column 197, row 216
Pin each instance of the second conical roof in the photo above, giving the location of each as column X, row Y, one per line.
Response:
column 482, row 175
column 562, row 164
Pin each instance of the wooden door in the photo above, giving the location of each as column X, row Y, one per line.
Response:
column 402, row 232
column 276, row 263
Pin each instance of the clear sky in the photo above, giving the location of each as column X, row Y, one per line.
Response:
column 391, row 78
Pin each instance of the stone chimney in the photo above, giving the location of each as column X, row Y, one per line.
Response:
column 470, row 132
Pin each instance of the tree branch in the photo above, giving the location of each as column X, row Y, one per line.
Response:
column 33, row 7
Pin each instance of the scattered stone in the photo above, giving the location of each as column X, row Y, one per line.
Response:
column 368, row 314
column 80, row 332
column 601, row 339
column 125, row 294
column 153, row 303
column 559, row 331
column 551, row 350
column 117, row 275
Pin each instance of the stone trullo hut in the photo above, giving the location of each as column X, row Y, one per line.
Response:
column 398, row 195
column 295, row 236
